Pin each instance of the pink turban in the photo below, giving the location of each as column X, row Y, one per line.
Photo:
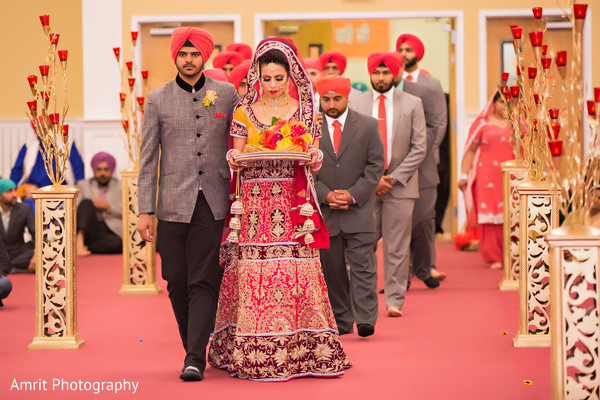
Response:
column 227, row 57
column 242, row 48
column 313, row 63
column 104, row 157
column 201, row 39
column 392, row 59
column 335, row 84
column 239, row 73
column 216, row 73
column 414, row 42
column 333, row 56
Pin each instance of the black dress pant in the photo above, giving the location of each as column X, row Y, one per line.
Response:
column 190, row 265
column 97, row 236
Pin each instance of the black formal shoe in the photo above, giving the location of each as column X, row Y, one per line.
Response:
column 191, row 374
column 431, row 282
column 365, row 330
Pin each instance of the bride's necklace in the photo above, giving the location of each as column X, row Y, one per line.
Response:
column 279, row 107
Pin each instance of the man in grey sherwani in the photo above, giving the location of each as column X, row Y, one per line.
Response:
column 185, row 131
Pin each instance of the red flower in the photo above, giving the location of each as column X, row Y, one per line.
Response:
column 299, row 140
column 297, row 130
column 266, row 137
column 277, row 136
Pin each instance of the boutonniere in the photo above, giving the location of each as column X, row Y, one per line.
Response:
column 210, row 98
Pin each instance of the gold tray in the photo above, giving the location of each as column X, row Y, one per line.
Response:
column 273, row 155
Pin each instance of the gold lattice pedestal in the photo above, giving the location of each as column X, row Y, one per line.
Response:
column 514, row 174
column 55, row 268
column 574, row 259
column 538, row 215
column 139, row 257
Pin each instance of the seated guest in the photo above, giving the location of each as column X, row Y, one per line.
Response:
column 29, row 166
column 238, row 77
column 242, row 48
column 99, row 223
column 15, row 218
column 5, row 284
column 227, row 61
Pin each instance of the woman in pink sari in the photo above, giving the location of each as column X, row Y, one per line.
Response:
column 274, row 321
column 488, row 146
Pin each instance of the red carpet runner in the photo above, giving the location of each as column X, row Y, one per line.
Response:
column 450, row 344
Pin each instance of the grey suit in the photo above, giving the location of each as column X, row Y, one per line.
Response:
column 193, row 142
column 357, row 168
column 19, row 252
column 393, row 211
column 422, row 245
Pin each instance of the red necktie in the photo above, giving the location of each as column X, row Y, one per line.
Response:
column 409, row 77
column 383, row 126
column 337, row 135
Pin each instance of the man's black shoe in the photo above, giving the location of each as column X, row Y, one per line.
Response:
column 431, row 282
column 190, row 374
column 365, row 330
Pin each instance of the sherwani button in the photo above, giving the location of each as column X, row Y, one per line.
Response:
column 197, row 134
column 199, row 172
column 195, row 99
column 199, row 154
column 197, row 116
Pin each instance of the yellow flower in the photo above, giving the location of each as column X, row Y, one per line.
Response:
column 210, row 98
column 527, row 382
column 285, row 131
column 283, row 144
column 307, row 137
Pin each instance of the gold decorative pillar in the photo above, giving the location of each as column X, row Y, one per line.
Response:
column 538, row 215
column 139, row 256
column 514, row 173
column 55, row 268
column 575, row 257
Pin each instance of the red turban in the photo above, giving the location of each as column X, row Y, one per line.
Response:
column 392, row 59
column 201, row 39
column 227, row 57
column 216, row 73
column 414, row 42
column 242, row 48
column 313, row 63
column 335, row 84
column 239, row 73
column 333, row 56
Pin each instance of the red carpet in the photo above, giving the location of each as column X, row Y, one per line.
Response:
column 448, row 345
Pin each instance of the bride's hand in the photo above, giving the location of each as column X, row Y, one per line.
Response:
column 231, row 154
column 319, row 120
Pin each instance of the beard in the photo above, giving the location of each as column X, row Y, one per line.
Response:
column 410, row 63
column 382, row 87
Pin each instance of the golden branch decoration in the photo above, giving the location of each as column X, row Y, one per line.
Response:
column 48, row 124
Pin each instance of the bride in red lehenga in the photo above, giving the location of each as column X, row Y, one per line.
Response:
column 274, row 321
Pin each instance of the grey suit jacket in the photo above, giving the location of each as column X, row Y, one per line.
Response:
column 357, row 168
column 429, row 90
column 408, row 140
column 113, row 217
column 20, row 217
column 193, row 142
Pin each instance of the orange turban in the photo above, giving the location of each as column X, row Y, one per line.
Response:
column 242, row 48
column 313, row 63
column 239, row 73
column 216, row 73
column 333, row 56
column 392, row 59
column 335, row 84
column 414, row 42
column 227, row 57
column 201, row 39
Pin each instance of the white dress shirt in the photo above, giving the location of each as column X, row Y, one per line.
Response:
column 415, row 75
column 389, row 116
column 329, row 120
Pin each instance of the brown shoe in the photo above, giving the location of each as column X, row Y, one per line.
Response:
column 440, row 276
column 394, row 312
